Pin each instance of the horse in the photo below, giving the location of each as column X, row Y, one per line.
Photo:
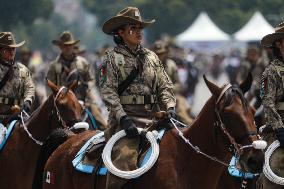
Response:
column 224, row 124
column 19, row 156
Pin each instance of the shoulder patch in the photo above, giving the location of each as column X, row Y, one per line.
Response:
column 103, row 73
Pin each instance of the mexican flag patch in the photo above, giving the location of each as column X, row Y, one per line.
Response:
column 103, row 73
column 48, row 177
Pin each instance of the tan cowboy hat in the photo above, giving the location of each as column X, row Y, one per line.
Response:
column 128, row 15
column 66, row 38
column 160, row 47
column 7, row 40
column 268, row 40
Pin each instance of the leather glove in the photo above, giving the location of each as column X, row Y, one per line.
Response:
column 26, row 106
column 129, row 127
column 171, row 113
column 280, row 136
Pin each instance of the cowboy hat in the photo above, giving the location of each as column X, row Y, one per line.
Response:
column 66, row 38
column 7, row 40
column 268, row 40
column 128, row 15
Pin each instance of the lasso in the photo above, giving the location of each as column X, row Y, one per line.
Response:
column 152, row 138
column 266, row 168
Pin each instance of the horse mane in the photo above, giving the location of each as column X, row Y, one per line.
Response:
column 209, row 107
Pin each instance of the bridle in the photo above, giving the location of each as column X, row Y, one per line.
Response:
column 234, row 147
column 57, row 113
column 56, row 108
column 237, row 149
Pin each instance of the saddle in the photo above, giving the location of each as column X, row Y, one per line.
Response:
column 88, row 159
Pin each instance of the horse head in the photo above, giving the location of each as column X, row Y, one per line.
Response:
column 65, row 105
column 235, row 118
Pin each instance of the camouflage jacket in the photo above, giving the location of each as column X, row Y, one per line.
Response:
column 271, row 92
column 152, row 81
column 19, row 86
column 60, row 68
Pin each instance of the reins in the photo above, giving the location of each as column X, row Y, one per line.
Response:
column 237, row 148
column 38, row 142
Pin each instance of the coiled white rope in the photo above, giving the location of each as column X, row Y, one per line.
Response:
column 266, row 168
column 152, row 138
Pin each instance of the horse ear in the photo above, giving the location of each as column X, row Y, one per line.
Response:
column 73, row 85
column 52, row 86
column 214, row 89
column 246, row 84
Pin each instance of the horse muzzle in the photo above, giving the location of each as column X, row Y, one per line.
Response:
column 252, row 157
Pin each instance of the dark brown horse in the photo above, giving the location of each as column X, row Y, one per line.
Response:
column 225, row 122
column 19, row 156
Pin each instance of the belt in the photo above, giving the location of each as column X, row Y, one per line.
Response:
column 137, row 99
column 10, row 101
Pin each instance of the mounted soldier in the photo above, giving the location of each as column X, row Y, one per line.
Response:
column 69, row 62
column 17, row 89
column 134, row 85
column 271, row 93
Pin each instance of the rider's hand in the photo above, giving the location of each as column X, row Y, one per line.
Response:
column 129, row 127
column 171, row 113
column 280, row 136
column 26, row 106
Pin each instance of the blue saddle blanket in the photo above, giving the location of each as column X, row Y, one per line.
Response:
column 235, row 172
column 98, row 138
column 8, row 133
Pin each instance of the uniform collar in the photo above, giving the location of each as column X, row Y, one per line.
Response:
column 66, row 62
column 128, row 52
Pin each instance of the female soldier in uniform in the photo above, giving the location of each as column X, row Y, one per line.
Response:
column 272, row 92
column 130, row 102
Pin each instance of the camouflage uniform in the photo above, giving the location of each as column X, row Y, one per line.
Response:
column 58, row 73
column 152, row 84
column 18, row 88
column 272, row 92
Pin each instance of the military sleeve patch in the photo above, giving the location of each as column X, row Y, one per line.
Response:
column 263, row 87
column 103, row 74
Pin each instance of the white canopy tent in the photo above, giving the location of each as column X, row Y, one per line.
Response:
column 202, row 30
column 254, row 29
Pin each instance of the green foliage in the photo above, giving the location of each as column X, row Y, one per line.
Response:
column 174, row 16
column 14, row 12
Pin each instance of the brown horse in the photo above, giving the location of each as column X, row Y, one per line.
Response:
column 225, row 122
column 19, row 156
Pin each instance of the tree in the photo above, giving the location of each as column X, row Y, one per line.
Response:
column 23, row 11
column 173, row 17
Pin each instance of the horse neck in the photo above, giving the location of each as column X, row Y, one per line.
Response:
column 39, row 124
column 203, row 135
